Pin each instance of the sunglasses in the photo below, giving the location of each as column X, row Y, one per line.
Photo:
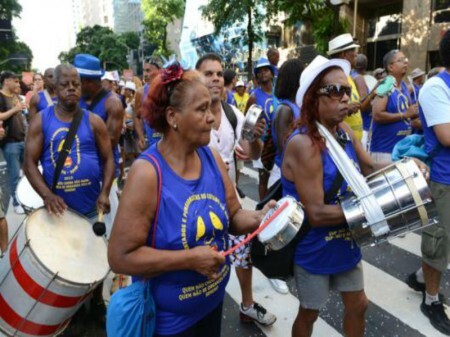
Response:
column 336, row 91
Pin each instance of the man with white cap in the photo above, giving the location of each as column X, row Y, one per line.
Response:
column 241, row 95
column 343, row 47
column 108, row 81
column 327, row 257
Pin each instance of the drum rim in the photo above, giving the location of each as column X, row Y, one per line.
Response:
column 42, row 265
column 21, row 202
column 251, row 114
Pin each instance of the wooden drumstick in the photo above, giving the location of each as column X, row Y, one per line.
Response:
column 99, row 227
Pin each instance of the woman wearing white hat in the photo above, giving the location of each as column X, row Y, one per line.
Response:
column 327, row 257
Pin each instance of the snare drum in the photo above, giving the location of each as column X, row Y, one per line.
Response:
column 27, row 196
column 406, row 201
column 254, row 113
column 283, row 228
column 52, row 266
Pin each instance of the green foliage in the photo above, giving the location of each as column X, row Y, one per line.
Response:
column 131, row 39
column 8, row 48
column 227, row 13
column 321, row 14
column 101, row 42
column 157, row 15
column 10, row 9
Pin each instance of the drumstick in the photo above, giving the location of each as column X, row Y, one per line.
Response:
column 257, row 231
column 369, row 94
column 99, row 227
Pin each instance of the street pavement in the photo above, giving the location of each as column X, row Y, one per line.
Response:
column 393, row 310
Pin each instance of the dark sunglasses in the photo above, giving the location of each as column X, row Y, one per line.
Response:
column 336, row 91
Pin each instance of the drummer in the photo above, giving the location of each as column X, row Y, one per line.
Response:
column 82, row 185
column 327, row 257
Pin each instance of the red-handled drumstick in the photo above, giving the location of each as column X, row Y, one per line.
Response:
column 258, row 230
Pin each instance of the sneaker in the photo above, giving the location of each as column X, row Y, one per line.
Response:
column 438, row 318
column 279, row 286
column 414, row 284
column 257, row 313
column 19, row 209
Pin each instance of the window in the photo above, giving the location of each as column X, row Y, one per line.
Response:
column 441, row 11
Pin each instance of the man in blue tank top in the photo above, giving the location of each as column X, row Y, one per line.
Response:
column 46, row 97
column 392, row 114
column 85, row 180
column 434, row 99
column 151, row 68
column 263, row 97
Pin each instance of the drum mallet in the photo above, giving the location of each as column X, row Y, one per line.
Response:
column 99, row 227
column 257, row 231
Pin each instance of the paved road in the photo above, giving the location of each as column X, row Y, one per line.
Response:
column 393, row 310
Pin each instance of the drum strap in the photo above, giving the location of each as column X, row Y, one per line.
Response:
column 414, row 193
column 67, row 146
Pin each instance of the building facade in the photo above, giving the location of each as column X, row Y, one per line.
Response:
column 128, row 16
column 414, row 26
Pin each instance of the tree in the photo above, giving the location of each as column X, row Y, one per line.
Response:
column 157, row 15
column 226, row 13
column 323, row 16
column 10, row 9
column 101, row 42
column 131, row 39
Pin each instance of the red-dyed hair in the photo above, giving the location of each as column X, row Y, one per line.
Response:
column 309, row 114
column 153, row 110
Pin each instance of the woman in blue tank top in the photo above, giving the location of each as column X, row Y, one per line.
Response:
column 392, row 114
column 327, row 257
column 178, row 244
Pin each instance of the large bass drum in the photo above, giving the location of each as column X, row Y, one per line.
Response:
column 53, row 264
column 405, row 198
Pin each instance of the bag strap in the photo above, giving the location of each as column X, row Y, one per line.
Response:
column 155, row 164
column 48, row 98
column 231, row 116
column 68, row 141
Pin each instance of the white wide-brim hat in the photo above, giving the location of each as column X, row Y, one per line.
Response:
column 341, row 43
column 318, row 65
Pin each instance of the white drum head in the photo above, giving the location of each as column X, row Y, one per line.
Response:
column 279, row 223
column 66, row 245
column 26, row 194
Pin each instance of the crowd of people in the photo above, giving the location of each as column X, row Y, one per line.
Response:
column 180, row 202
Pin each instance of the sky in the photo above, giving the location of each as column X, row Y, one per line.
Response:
column 46, row 27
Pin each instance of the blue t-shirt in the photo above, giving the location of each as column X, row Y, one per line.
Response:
column 100, row 110
column 434, row 109
column 296, row 114
column 191, row 213
column 230, row 98
column 385, row 136
column 152, row 135
column 42, row 103
column 265, row 101
column 326, row 250
column 81, row 176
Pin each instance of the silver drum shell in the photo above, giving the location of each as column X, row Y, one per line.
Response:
column 292, row 220
column 393, row 194
column 251, row 118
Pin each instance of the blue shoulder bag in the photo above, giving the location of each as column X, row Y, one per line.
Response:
column 131, row 311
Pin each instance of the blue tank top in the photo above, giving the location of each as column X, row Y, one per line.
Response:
column 326, row 250
column 42, row 103
column 296, row 114
column 264, row 100
column 81, row 176
column 191, row 213
column 152, row 135
column 440, row 155
column 100, row 110
column 385, row 136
